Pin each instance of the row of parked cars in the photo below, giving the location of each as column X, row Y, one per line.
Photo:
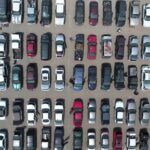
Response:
column 77, row 110
column 77, row 80
column 131, row 142
column 14, row 10
column 60, row 46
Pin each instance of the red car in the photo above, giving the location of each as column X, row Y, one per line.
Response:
column 117, row 139
column 77, row 112
column 92, row 43
column 31, row 45
column 31, row 77
column 93, row 14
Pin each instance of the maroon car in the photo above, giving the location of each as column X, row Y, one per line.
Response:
column 119, row 47
column 31, row 78
column 93, row 14
column 31, row 45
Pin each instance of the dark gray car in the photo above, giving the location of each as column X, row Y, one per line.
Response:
column 78, row 77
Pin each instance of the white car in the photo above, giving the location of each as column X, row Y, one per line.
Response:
column 16, row 16
column 3, row 141
column 146, row 15
column 46, row 112
column 31, row 114
column 59, row 112
column 60, row 45
column 3, row 109
column 60, row 78
column 60, row 12
column 145, row 77
column 146, row 47
column 119, row 111
column 91, row 140
column 45, row 78
column 131, row 139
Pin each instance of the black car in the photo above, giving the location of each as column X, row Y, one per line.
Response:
column 105, row 111
column 46, row 138
column 18, row 111
column 4, row 11
column 46, row 45
column 79, row 12
column 31, row 139
column 106, row 76
column 144, row 137
column 58, row 138
column 132, row 77
column 77, row 139
column 79, row 47
column 18, row 140
column 46, row 12
column 107, row 12
column 92, row 77
column 119, row 76
column 119, row 47
column 121, row 7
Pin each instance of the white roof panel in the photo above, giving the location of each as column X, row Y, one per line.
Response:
column 1, row 47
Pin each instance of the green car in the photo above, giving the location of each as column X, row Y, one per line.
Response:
column 17, row 77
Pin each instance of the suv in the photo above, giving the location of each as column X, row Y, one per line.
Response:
column 144, row 111
column 79, row 12
column 4, row 11
column 31, row 138
column 46, row 46
column 18, row 111
column 119, row 76
column 78, row 77
column 105, row 111
column 121, row 7
column 18, row 139
column 46, row 12
column 32, row 11
column 132, row 77
column 106, row 76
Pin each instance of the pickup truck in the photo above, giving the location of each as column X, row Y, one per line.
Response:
column 79, row 47
column 32, row 11
column 107, row 12
column 17, row 45
column 107, row 45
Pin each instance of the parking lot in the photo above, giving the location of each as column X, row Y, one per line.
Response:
column 70, row 29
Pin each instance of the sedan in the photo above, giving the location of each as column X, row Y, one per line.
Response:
column 17, row 77
column 119, row 47
column 46, row 12
column 31, row 45
column 117, row 139
column 3, row 108
column 31, row 77
column 92, row 77
column 104, row 141
column 79, row 12
column 91, row 139
column 18, row 111
column 77, row 139
column 3, row 45
column 93, row 13
column 78, row 112
column 92, row 111
column 146, row 47
column 3, row 139
column 92, row 47
column 46, row 46
column 59, row 112
column 119, row 110
column 46, row 111
column 45, row 78
column 60, row 78
column 146, row 15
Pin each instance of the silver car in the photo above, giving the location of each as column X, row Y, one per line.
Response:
column 131, row 112
column 146, row 47
column 134, row 13
column 92, row 111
